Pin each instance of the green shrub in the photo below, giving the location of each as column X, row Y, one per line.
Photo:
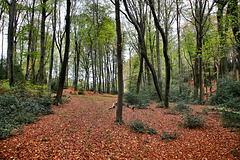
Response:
column 18, row 110
column 139, row 101
column 231, row 119
column 139, row 126
column 169, row 135
column 227, row 90
column 81, row 91
column 182, row 108
column 192, row 121
column 114, row 92
column 160, row 105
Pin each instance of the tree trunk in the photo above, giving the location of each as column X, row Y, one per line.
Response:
column 30, row 41
column 10, row 51
column 139, row 80
column 120, row 65
column 223, row 60
column 65, row 61
column 52, row 50
column 77, row 57
column 41, row 65
column 233, row 8
column 165, row 53
column 179, row 48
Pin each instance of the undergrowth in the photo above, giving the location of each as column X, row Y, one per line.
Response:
column 192, row 121
column 19, row 109
column 227, row 101
column 139, row 126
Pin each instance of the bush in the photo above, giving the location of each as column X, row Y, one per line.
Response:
column 182, row 108
column 114, row 92
column 231, row 119
column 54, row 85
column 81, row 91
column 17, row 110
column 192, row 121
column 139, row 101
column 167, row 135
column 139, row 126
column 227, row 90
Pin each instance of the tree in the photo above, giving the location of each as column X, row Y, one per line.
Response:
column 233, row 8
column 53, row 45
column 120, row 65
column 200, row 10
column 165, row 52
column 41, row 65
column 10, row 52
column 66, row 53
column 30, row 40
column 222, row 37
column 139, row 24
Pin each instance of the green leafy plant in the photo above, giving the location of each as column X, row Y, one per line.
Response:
column 182, row 108
column 139, row 101
column 192, row 121
column 139, row 126
column 19, row 109
column 169, row 135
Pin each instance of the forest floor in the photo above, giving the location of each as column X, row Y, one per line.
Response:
column 85, row 129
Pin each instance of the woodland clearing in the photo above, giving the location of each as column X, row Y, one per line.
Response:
column 84, row 128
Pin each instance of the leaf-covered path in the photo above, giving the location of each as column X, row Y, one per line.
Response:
column 85, row 129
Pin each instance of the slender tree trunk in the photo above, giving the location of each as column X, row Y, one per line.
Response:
column 139, row 80
column 179, row 48
column 10, row 51
column 220, row 23
column 233, row 8
column 120, row 65
column 65, row 61
column 41, row 65
column 165, row 53
column 77, row 57
column 30, row 41
column 53, row 45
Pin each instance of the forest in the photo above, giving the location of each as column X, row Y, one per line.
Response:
column 120, row 79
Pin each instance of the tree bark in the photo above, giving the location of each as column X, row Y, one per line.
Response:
column 222, row 38
column 165, row 53
column 52, row 50
column 10, row 51
column 41, row 65
column 65, row 61
column 30, row 41
column 120, row 65
column 139, row 80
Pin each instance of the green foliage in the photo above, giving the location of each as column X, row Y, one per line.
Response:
column 184, row 97
column 54, row 85
column 227, row 90
column 20, row 109
column 227, row 98
column 18, row 74
column 161, row 105
column 81, row 91
column 182, row 108
column 231, row 119
column 168, row 135
column 139, row 126
column 140, row 101
column 192, row 121
column 114, row 92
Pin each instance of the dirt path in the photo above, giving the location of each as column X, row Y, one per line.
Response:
column 85, row 129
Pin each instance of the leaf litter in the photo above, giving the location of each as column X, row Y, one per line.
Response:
column 84, row 129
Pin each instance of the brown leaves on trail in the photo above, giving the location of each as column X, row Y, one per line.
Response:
column 85, row 129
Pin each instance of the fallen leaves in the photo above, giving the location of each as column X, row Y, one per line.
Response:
column 84, row 129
